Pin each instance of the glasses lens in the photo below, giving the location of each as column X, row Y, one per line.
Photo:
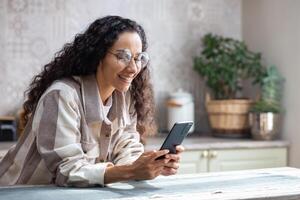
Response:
column 124, row 56
column 144, row 58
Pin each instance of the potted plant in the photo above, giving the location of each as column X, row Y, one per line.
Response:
column 265, row 113
column 224, row 63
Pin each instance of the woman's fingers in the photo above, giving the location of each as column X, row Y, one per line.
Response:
column 148, row 166
column 148, row 152
column 173, row 165
column 179, row 148
column 174, row 157
column 168, row 171
column 157, row 154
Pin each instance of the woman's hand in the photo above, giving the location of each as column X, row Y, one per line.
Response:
column 172, row 165
column 147, row 167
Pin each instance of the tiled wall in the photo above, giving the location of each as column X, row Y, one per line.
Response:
column 33, row 30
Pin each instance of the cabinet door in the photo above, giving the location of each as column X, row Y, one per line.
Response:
column 239, row 159
column 193, row 162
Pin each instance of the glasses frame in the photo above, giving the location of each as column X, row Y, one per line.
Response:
column 132, row 57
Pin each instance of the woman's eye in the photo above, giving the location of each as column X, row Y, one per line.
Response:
column 140, row 57
column 119, row 56
column 127, row 56
column 124, row 56
column 143, row 57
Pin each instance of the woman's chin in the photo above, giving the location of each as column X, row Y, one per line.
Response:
column 123, row 88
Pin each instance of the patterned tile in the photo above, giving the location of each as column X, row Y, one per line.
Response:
column 17, row 6
column 33, row 30
column 17, row 25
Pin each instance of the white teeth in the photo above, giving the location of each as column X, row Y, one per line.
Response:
column 127, row 79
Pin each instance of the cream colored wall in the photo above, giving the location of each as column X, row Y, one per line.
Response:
column 273, row 27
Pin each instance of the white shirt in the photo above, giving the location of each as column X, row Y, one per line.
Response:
column 107, row 106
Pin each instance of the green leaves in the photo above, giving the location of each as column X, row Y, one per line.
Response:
column 271, row 92
column 224, row 62
column 263, row 106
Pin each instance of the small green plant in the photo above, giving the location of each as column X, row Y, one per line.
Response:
column 262, row 106
column 271, row 92
column 224, row 62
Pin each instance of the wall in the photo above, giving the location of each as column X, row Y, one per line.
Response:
column 33, row 30
column 273, row 27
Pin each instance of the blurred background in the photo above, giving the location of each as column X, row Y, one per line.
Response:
column 33, row 30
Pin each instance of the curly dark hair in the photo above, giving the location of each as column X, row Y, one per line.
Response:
column 82, row 56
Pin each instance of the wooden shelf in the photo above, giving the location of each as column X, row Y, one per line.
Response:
column 7, row 118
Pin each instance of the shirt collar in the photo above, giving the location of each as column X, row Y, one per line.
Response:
column 118, row 114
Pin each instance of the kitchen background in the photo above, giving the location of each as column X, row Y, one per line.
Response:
column 33, row 30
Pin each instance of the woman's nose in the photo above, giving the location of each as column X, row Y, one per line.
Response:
column 132, row 66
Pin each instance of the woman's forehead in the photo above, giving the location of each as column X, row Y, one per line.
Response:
column 128, row 40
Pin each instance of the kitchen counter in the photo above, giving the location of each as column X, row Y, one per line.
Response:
column 273, row 183
column 195, row 142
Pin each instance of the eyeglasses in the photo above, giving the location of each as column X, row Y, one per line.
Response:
column 124, row 56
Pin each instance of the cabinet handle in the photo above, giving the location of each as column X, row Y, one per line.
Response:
column 204, row 154
column 213, row 154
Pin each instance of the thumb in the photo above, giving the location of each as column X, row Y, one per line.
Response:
column 159, row 153
column 149, row 152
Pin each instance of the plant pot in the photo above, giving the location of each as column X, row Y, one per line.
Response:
column 264, row 126
column 229, row 118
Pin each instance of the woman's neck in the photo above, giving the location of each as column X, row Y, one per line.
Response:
column 105, row 90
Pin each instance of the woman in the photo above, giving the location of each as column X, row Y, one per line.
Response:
column 86, row 112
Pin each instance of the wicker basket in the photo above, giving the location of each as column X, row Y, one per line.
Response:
column 229, row 118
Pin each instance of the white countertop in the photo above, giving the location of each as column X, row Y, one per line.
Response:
column 196, row 142
column 272, row 183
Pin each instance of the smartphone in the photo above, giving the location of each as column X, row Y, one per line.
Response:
column 176, row 136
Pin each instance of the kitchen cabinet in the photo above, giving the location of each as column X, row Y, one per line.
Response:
column 209, row 154
column 213, row 160
column 194, row 162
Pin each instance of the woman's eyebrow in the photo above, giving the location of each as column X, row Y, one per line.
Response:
column 125, row 49
column 122, row 49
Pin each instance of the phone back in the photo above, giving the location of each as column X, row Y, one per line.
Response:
column 176, row 136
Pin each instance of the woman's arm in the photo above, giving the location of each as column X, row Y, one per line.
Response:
column 56, row 123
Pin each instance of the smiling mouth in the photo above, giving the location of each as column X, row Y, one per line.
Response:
column 125, row 79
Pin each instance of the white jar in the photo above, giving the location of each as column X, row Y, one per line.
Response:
column 180, row 106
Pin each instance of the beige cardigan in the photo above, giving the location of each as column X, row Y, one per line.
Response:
column 70, row 141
